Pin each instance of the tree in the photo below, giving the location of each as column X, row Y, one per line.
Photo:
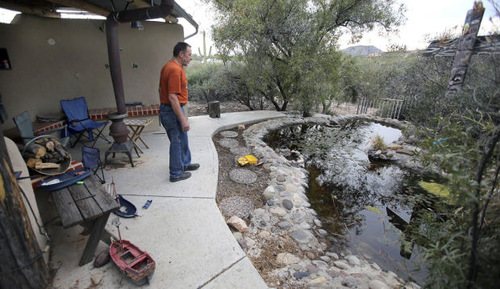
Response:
column 290, row 47
column 464, row 250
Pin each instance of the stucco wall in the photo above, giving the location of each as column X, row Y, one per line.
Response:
column 54, row 59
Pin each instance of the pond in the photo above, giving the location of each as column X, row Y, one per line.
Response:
column 364, row 206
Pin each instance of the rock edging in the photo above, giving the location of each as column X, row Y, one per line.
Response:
column 289, row 228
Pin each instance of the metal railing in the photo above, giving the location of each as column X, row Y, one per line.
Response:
column 383, row 107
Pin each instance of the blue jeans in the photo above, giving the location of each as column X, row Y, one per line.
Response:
column 180, row 155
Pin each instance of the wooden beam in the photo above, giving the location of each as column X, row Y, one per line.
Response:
column 465, row 47
column 141, row 3
column 145, row 4
column 484, row 45
column 83, row 5
column 29, row 10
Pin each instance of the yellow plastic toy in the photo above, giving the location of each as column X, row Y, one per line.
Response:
column 248, row 159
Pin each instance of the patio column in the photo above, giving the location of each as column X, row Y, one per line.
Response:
column 118, row 130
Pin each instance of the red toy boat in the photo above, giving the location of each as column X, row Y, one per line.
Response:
column 132, row 261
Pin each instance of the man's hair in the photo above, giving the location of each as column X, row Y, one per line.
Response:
column 180, row 47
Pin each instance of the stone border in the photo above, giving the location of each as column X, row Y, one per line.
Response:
column 288, row 213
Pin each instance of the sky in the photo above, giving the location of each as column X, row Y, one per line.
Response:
column 425, row 18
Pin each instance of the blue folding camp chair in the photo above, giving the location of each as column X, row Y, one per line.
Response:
column 79, row 123
column 91, row 159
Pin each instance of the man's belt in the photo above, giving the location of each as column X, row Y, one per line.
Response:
column 168, row 104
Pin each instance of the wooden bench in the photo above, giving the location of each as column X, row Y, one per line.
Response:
column 86, row 204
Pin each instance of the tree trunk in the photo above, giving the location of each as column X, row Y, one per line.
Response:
column 22, row 264
column 475, row 232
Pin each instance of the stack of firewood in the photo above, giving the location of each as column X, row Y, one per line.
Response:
column 45, row 153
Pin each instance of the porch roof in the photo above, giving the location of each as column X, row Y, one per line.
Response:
column 48, row 8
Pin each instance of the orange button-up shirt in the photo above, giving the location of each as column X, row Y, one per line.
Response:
column 173, row 81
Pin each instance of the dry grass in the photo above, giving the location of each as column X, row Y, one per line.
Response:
column 266, row 263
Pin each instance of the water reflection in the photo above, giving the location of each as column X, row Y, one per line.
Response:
column 364, row 207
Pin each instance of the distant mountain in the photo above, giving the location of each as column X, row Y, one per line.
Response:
column 361, row 50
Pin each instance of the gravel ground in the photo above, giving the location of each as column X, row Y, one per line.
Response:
column 227, row 188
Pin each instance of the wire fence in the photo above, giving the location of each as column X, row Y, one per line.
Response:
column 383, row 107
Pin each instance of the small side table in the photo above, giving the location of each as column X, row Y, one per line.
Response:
column 137, row 126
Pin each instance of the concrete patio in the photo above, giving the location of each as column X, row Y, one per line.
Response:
column 183, row 229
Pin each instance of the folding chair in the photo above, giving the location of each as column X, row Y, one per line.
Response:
column 25, row 127
column 79, row 123
column 91, row 159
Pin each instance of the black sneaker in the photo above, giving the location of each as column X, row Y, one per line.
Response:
column 192, row 167
column 185, row 175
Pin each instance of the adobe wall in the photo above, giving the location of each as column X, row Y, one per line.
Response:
column 54, row 59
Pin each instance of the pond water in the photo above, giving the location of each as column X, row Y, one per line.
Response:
column 363, row 206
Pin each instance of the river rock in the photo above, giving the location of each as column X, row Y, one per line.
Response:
column 285, row 225
column 300, row 275
column 250, row 242
column 242, row 243
column 287, row 204
column 269, row 193
column 395, row 147
column 281, row 178
column 341, row 265
column 318, row 281
column 322, row 233
column 297, row 217
column 237, row 223
column 353, row 260
column 280, row 188
column 405, row 152
column 302, row 236
column 377, row 284
column 325, row 259
column 278, row 211
column 320, row 264
column 304, row 225
column 333, row 255
column 310, row 255
column 297, row 200
column 332, row 273
column 349, row 282
column 291, row 188
column 237, row 235
column 287, row 259
column 312, row 269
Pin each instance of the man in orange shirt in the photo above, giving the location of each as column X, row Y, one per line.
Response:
column 173, row 97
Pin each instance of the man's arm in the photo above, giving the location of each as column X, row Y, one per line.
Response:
column 174, row 102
